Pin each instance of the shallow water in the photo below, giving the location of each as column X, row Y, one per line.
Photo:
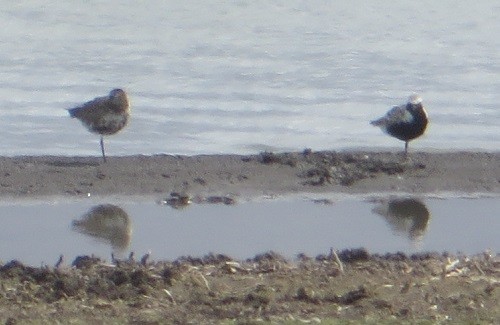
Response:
column 242, row 77
column 38, row 232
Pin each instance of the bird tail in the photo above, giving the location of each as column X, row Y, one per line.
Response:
column 73, row 111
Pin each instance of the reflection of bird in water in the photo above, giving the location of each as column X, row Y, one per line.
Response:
column 104, row 115
column 405, row 122
column 106, row 222
column 405, row 215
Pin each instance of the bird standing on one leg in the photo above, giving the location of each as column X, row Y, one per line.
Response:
column 405, row 122
column 104, row 115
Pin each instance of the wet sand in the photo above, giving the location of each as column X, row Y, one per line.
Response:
column 252, row 175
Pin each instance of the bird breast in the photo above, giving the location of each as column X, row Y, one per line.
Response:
column 109, row 123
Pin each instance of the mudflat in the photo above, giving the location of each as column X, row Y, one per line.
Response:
column 339, row 287
column 252, row 175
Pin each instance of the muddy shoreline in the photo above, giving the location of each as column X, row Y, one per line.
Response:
column 252, row 175
column 337, row 287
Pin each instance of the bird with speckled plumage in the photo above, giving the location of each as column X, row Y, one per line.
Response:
column 105, row 115
column 405, row 122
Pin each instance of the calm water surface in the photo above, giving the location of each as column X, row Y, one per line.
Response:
column 242, row 77
column 38, row 232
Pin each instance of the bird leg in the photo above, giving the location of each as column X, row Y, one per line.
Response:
column 102, row 149
column 406, row 148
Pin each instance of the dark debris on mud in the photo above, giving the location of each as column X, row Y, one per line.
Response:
column 178, row 200
column 341, row 168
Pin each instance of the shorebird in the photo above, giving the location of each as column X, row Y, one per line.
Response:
column 104, row 115
column 107, row 222
column 405, row 122
column 405, row 215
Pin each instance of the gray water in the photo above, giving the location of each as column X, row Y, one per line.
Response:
column 38, row 232
column 247, row 76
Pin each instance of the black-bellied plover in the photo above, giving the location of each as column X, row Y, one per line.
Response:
column 405, row 122
column 405, row 215
column 104, row 115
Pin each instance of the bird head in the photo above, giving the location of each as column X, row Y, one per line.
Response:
column 116, row 93
column 415, row 99
column 119, row 98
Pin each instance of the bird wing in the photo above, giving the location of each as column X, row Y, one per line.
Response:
column 85, row 111
column 397, row 114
